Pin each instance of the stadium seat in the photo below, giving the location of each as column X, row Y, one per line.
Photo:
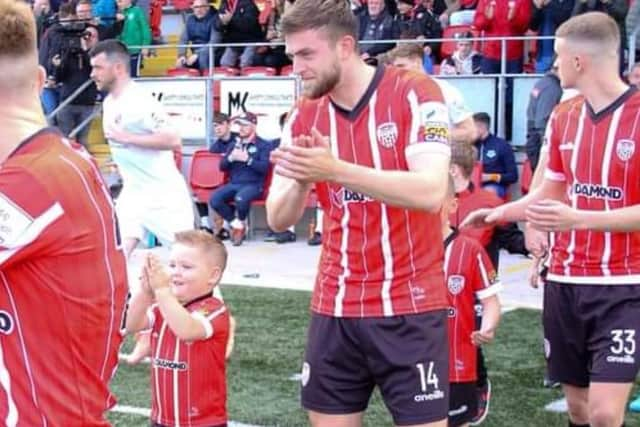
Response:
column 181, row 5
column 205, row 175
column 183, row 72
column 222, row 71
column 287, row 70
column 449, row 46
column 526, row 177
column 476, row 175
column 259, row 202
column 258, row 71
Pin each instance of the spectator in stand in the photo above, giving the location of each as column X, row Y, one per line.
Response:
column 247, row 163
column 545, row 95
column 502, row 18
column 499, row 168
column 239, row 23
column 84, row 12
column 53, row 45
column 546, row 17
column 44, row 16
column 105, row 11
column 459, row 12
column 71, row 72
column 617, row 9
column 464, row 60
column 223, row 139
column 404, row 17
column 428, row 25
column 201, row 27
column 376, row 23
column 634, row 75
column 274, row 56
column 134, row 31
column 631, row 22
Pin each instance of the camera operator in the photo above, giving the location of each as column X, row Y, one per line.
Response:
column 106, row 29
column 53, row 42
column 72, row 70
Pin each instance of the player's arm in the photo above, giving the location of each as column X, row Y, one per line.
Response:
column 137, row 312
column 287, row 197
column 422, row 187
column 186, row 326
column 163, row 138
column 486, row 286
column 490, row 320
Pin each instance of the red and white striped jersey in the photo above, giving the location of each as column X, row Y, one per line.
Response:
column 188, row 379
column 63, row 287
column 468, row 274
column 595, row 155
column 378, row 259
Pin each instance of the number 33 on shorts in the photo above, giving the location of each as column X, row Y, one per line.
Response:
column 623, row 346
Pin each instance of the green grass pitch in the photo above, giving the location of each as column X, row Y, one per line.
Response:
column 269, row 345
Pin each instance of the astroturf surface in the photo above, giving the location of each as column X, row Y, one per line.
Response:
column 268, row 351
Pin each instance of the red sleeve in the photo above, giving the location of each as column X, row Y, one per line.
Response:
column 480, row 21
column 555, row 170
column 31, row 221
column 485, row 283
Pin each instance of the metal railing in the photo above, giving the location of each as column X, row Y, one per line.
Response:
column 501, row 77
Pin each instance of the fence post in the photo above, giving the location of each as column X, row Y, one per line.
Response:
column 502, row 86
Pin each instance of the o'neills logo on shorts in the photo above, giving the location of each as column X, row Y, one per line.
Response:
column 626, row 359
column 596, row 191
column 170, row 364
column 426, row 397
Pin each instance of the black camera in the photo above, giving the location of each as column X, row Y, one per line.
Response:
column 72, row 34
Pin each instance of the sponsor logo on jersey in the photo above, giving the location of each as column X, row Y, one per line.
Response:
column 491, row 154
column 434, row 132
column 625, row 149
column 459, row 365
column 6, row 322
column 455, row 283
column 387, row 134
column 344, row 196
column 170, row 364
column 13, row 221
column 597, row 191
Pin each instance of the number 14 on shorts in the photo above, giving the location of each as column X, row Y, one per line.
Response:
column 429, row 383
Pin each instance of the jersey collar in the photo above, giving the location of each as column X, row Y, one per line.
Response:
column 351, row 115
column 612, row 107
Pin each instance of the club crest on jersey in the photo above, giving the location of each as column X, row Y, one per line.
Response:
column 455, row 283
column 625, row 149
column 387, row 134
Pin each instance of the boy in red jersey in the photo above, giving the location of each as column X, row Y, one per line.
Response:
column 375, row 144
column 63, row 282
column 590, row 200
column 190, row 331
column 468, row 274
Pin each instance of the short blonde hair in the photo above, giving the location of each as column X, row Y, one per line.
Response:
column 18, row 47
column 595, row 29
column 205, row 242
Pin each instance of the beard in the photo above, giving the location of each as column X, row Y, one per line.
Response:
column 106, row 85
column 323, row 83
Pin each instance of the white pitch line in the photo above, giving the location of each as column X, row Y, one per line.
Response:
column 146, row 412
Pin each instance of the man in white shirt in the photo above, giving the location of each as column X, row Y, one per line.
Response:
column 154, row 197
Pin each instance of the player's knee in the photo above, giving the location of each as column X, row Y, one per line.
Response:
column 602, row 414
column 578, row 411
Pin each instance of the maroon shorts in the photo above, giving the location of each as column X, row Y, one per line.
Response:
column 591, row 333
column 407, row 357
